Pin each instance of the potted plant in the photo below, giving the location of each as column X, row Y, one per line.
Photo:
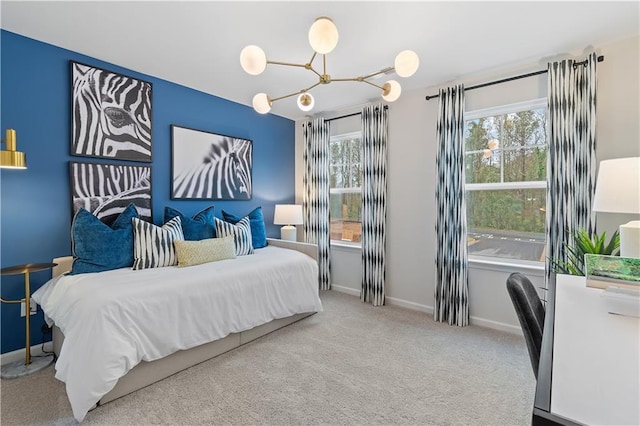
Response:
column 583, row 244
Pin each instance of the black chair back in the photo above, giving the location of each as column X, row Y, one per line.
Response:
column 530, row 314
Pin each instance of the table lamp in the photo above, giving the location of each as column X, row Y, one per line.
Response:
column 618, row 191
column 288, row 215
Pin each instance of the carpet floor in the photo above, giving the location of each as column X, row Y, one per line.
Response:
column 352, row 364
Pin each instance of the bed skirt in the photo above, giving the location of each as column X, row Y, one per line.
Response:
column 147, row 373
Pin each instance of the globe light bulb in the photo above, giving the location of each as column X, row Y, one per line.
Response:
column 306, row 102
column 261, row 103
column 391, row 90
column 253, row 60
column 323, row 35
column 406, row 63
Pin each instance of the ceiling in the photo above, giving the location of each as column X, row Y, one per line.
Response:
column 197, row 44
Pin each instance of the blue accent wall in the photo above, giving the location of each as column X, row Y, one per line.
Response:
column 35, row 205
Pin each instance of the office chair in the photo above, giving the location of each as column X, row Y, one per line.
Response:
column 530, row 314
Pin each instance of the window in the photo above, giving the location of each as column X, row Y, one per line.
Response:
column 505, row 168
column 345, row 198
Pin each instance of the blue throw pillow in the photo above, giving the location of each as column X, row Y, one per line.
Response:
column 258, row 229
column 200, row 227
column 99, row 247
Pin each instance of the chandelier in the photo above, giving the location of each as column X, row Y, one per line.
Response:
column 323, row 38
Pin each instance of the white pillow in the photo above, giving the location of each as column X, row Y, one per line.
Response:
column 153, row 245
column 241, row 233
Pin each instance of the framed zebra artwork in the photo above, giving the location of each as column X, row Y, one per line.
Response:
column 110, row 115
column 107, row 189
column 209, row 166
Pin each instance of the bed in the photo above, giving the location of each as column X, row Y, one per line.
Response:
column 118, row 331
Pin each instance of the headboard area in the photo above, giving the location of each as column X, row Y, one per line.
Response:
column 64, row 265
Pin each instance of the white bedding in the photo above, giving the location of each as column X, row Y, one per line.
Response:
column 112, row 320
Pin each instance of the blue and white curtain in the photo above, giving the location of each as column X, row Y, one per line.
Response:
column 452, row 287
column 374, row 202
column 316, row 194
column 571, row 164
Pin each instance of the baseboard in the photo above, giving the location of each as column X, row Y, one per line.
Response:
column 409, row 305
column 347, row 290
column 36, row 350
column 481, row 322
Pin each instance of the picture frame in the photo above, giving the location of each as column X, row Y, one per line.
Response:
column 106, row 189
column 111, row 114
column 210, row 166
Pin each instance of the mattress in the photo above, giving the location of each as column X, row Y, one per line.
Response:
column 112, row 320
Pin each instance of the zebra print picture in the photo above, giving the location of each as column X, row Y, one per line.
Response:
column 111, row 115
column 208, row 166
column 107, row 189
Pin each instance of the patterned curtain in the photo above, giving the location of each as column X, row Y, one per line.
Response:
column 452, row 287
column 571, row 164
column 374, row 202
column 316, row 194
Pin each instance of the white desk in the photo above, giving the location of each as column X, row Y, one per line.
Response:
column 596, row 358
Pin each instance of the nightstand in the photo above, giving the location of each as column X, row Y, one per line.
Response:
column 18, row 368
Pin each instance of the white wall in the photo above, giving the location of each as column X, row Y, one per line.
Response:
column 411, row 181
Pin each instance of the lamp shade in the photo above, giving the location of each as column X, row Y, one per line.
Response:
column 261, row 103
column 288, row 214
column 323, row 35
column 253, row 60
column 391, row 90
column 306, row 102
column 406, row 63
column 618, row 186
column 10, row 158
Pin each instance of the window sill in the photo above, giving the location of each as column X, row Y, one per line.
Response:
column 507, row 265
column 340, row 245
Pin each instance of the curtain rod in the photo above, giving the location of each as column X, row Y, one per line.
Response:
column 517, row 77
column 347, row 115
column 351, row 115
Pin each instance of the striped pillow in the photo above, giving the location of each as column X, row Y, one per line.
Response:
column 153, row 245
column 241, row 233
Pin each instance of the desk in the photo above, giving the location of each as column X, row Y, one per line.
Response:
column 590, row 360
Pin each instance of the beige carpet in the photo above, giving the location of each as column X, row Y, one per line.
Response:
column 351, row 364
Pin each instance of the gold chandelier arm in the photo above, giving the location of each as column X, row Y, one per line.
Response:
column 288, row 64
column 295, row 93
column 382, row 71
column 374, row 85
column 324, row 64
column 359, row 79
column 313, row 57
column 348, row 79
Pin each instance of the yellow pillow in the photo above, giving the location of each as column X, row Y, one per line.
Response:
column 192, row 253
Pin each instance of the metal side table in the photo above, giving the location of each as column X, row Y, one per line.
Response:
column 19, row 368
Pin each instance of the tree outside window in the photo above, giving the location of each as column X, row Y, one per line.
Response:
column 505, row 172
column 345, row 197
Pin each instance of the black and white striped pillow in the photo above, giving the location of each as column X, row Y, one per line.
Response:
column 241, row 233
column 153, row 245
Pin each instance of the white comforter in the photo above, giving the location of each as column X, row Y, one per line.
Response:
column 112, row 320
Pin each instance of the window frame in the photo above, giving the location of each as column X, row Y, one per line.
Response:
column 345, row 136
column 500, row 110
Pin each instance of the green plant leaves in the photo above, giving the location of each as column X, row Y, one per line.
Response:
column 584, row 243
